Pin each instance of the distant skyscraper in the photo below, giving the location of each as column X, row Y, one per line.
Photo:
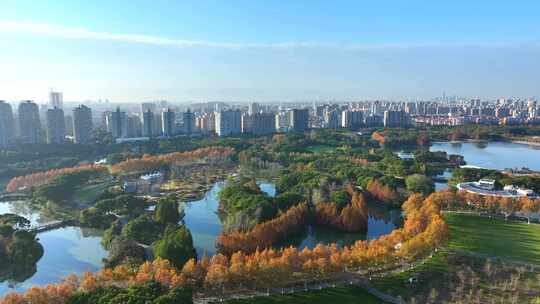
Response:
column 134, row 126
column 168, row 122
column 157, row 124
column 351, row 119
column 299, row 120
column 82, row 124
column 7, row 128
column 188, row 118
column 29, row 123
column 373, row 121
column 263, row 123
column 56, row 128
column 228, row 122
column 282, row 121
column 332, row 119
column 395, row 118
column 253, row 108
column 206, row 123
column 56, row 100
column 145, row 106
column 117, row 124
column 148, row 124
column 68, row 122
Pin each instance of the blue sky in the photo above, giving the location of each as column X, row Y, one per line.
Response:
column 268, row 50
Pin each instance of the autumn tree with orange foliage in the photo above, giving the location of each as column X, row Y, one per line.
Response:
column 264, row 234
column 352, row 217
column 382, row 192
column 151, row 163
column 27, row 182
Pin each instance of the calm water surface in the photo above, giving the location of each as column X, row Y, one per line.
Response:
column 202, row 219
column 66, row 250
column 494, row 155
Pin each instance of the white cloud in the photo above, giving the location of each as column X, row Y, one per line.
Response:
column 50, row 30
column 82, row 33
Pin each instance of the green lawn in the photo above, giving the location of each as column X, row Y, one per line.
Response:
column 431, row 274
column 339, row 295
column 495, row 237
column 320, row 148
column 89, row 193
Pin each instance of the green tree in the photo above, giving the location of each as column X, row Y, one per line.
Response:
column 419, row 183
column 143, row 229
column 176, row 245
column 167, row 211
column 122, row 249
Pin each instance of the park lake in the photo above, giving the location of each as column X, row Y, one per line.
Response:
column 77, row 250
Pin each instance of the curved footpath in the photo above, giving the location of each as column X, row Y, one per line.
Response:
column 350, row 278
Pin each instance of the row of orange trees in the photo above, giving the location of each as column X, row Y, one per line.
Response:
column 150, row 162
column 27, row 182
column 493, row 205
column 264, row 234
column 423, row 231
column 352, row 217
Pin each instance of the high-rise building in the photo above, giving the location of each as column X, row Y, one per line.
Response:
column 188, row 119
column 56, row 128
column 351, row 119
column 206, row 123
column 134, row 126
column 68, row 122
column 7, row 128
column 82, row 124
column 56, row 100
column 373, row 120
column 157, row 124
column 168, row 122
column 246, row 123
column 299, row 120
column 29, row 123
column 263, row 123
column 148, row 124
column 332, row 119
column 282, row 121
column 393, row 118
column 253, row 108
column 228, row 122
column 117, row 124
column 148, row 106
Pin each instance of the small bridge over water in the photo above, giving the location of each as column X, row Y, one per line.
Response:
column 14, row 196
column 48, row 226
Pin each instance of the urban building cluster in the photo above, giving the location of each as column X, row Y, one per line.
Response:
column 58, row 122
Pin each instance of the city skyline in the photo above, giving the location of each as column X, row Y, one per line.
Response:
column 201, row 51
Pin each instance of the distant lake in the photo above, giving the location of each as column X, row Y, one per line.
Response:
column 493, row 155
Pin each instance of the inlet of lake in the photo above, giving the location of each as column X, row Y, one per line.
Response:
column 77, row 250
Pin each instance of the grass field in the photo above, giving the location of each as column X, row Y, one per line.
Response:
column 320, row 148
column 495, row 237
column 339, row 295
column 433, row 271
column 89, row 193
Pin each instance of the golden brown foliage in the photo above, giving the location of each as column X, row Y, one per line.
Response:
column 150, row 163
column 37, row 179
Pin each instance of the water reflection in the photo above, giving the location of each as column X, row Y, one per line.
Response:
column 68, row 250
column 202, row 219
